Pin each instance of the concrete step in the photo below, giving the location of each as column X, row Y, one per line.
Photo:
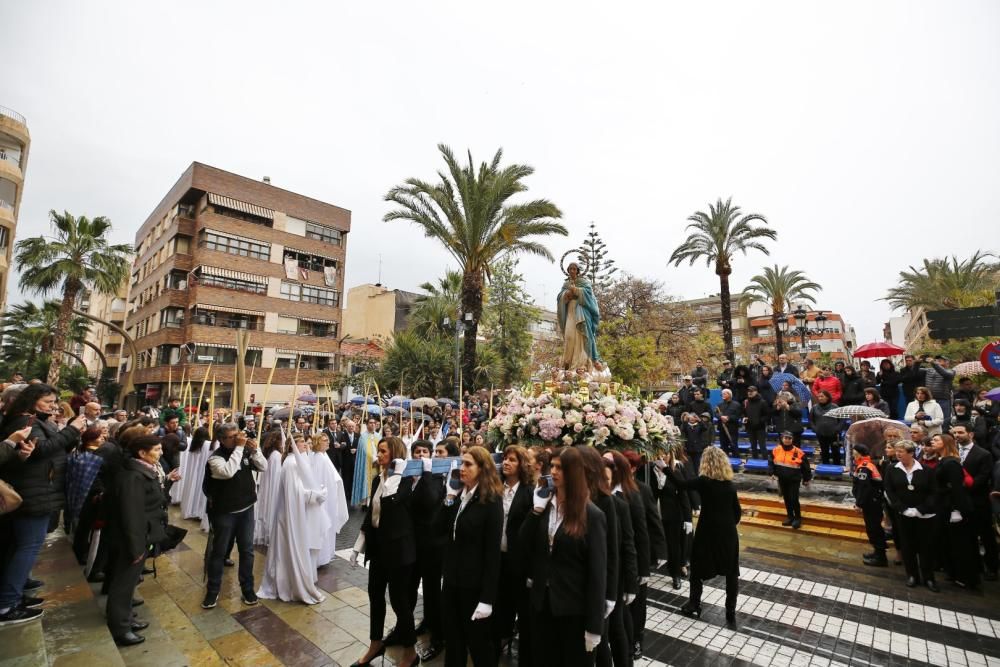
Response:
column 826, row 508
column 818, row 518
column 808, row 528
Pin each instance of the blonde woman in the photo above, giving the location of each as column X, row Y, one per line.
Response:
column 716, row 549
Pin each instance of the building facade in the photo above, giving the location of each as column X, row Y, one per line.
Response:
column 222, row 253
column 109, row 343
column 14, row 144
column 375, row 312
column 838, row 340
column 708, row 311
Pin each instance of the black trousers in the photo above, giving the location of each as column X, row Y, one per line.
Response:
column 525, row 632
column 638, row 612
column 397, row 579
column 464, row 637
column 982, row 527
column 917, row 543
column 558, row 640
column 508, row 598
column 790, row 494
column 729, row 444
column 673, row 531
column 616, row 646
column 962, row 563
column 873, row 526
column 757, row 435
column 124, row 579
column 427, row 569
column 732, row 591
column 225, row 528
column 829, row 449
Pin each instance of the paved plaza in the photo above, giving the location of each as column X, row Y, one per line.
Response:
column 804, row 600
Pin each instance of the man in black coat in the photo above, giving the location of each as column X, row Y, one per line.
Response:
column 784, row 366
column 979, row 464
column 729, row 413
column 336, row 447
column 699, row 375
column 755, row 415
column 686, row 392
column 725, row 378
column 911, row 376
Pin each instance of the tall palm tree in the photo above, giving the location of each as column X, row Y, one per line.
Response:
column 715, row 237
column 468, row 211
column 947, row 283
column 441, row 301
column 778, row 287
column 27, row 332
column 78, row 256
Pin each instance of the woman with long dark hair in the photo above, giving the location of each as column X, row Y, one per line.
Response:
column 887, row 379
column 389, row 546
column 954, row 509
column 852, row 387
column 675, row 510
column 518, row 488
column 564, row 554
column 41, row 481
column 472, row 519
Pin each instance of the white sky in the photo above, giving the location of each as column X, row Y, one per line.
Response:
column 867, row 132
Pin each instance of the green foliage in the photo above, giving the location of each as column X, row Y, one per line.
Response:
column 423, row 364
column 469, row 212
column 441, row 302
column 74, row 379
column 601, row 271
column 632, row 357
column 506, row 319
column 27, row 331
column 778, row 288
column 108, row 388
column 940, row 284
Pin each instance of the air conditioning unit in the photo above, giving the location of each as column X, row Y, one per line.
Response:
column 303, row 364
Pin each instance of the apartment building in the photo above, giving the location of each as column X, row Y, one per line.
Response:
column 14, row 144
column 104, row 344
column 838, row 339
column 375, row 312
column 708, row 311
column 222, row 253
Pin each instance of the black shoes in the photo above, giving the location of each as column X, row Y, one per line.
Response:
column 878, row 560
column 797, row 523
column 391, row 639
column 676, row 583
column 731, row 619
column 29, row 602
column 139, row 625
column 19, row 615
column 129, row 639
column 211, row 599
column 787, row 522
column 911, row 582
column 249, row 598
column 32, row 584
column 688, row 609
column 378, row 654
column 229, row 562
column 433, row 650
column 138, row 602
column 636, row 650
column 932, row 586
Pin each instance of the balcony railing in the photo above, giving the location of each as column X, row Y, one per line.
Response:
column 226, row 322
column 10, row 113
column 13, row 158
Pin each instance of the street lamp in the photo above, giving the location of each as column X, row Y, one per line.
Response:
column 459, row 332
column 802, row 328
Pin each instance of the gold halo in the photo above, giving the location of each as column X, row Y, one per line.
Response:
column 582, row 260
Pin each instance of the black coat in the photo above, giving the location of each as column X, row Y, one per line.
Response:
column 637, row 513
column 765, row 389
column 852, row 390
column 41, row 478
column 675, row 410
column 675, row 502
column 139, row 518
column 628, row 572
column 902, row 498
column 393, row 543
column 573, row 572
column 756, row 412
column 654, row 524
column 734, row 411
column 472, row 546
column 343, row 446
column 788, row 420
column 949, row 488
column 612, row 533
column 790, row 369
column 716, row 549
column 909, row 379
column 979, row 464
column 425, row 504
column 520, row 508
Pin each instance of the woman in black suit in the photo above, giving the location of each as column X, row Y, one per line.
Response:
column 472, row 519
column 910, row 490
column 614, row 648
column 389, row 545
column 675, row 511
column 954, row 510
column 138, row 520
column 564, row 553
column 716, row 548
column 518, row 487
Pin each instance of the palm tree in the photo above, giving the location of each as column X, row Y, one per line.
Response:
column 27, row 333
column 468, row 211
column 78, row 256
column 715, row 237
column 947, row 283
column 778, row 287
column 441, row 301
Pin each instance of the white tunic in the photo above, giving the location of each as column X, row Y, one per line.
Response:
column 336, row 503
column 299, row 524
column 267, row 498
column 193, row 500
column 178, row 487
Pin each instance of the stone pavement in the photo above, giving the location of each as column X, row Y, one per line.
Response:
column 804, row 600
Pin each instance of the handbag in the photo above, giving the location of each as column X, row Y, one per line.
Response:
column 10, row 499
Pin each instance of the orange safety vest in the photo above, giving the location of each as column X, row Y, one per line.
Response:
column 866, row 462
column 790, row 458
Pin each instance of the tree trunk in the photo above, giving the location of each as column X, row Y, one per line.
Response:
column 727, row 311
column 779, row 338
column 472, row 302
column 62, row 326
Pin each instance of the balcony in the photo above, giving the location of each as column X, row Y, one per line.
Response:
column 13, row 115
column 225, row 321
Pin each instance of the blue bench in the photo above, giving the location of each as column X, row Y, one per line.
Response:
column 735, row 463
column 755, row 465
column 829, row 470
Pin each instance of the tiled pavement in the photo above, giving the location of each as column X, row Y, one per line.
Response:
column 804, row 600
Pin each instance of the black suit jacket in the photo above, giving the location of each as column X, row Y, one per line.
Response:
column 345, row 443
column 628, row 572
column 520, row 507
column 654, row 524
column 637, row 514
column 573, row 572
column 979, row 464
column 790, row 369
column 392, row 543
column 428, row 492
column 472, row 546
column 607, row 505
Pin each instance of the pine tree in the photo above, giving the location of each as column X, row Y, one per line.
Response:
column 600, row 269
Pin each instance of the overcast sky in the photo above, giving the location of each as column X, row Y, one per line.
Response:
column 867, row 132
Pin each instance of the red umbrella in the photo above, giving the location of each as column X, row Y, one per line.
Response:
column 883, row 349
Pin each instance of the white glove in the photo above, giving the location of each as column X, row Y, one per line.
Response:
column 542, row 496
column 482, row 611
column 451, row 491
column 528, row 583
column 910, row 512
column 688, row 527
column 397, row 467
column 428, row 464
column 319, row 497
column 643, row 581
column 660, row 562
column 590, row 641
column 354, row 558
column 956, row 517
column 609, row 606
column 629, row 598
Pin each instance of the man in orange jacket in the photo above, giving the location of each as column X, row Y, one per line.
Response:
column 790, row 466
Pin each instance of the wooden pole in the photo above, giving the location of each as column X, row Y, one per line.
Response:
column 267, row 391
column 170, row 382
column 295, row 386
column 201, row 392
column 211, row 412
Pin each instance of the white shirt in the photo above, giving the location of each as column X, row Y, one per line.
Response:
column 508, row 498
column 909, row 480
column 555, row 520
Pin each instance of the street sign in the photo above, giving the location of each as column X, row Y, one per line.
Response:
column 964, row 322
column 990, row 358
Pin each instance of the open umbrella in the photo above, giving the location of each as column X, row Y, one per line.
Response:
column 425, row 402
column 395, row 410
column 420, row 416
column 398, row 400
column 993, row 394
column 282, row 413
column 855, row 412
column 447, row 401
column 307, row 397
column 798, row 386
column 373, row 409
column 969, row 368
column 360, row 400
column 872, row 433
column 883, row 349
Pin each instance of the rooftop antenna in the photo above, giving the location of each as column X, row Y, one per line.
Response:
column 379, row 283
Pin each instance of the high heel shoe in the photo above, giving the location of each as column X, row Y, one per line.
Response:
column 688, row 609
column 378, row 654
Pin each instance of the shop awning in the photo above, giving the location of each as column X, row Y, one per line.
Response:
column 228, row 309
column 235, row 275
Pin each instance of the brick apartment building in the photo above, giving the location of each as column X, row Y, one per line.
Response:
column 223, row 252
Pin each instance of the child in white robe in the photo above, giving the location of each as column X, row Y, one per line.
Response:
column 336, row 506
column 273, row 449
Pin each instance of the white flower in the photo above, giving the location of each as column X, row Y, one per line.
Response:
column 567, row 440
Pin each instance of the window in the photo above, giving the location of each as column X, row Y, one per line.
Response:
column 232, row 283
column 171, row 317
column 118, row 305
column 233, row 246
column 4, row 238
column 212, row 318
column 306, row 362
column 204, row 354
column 182, row 244
column 309, row 294
column 321, row 233
column 762, row 332
column 287, row 325
column 310, row 262
column 240, row 215
column 320, row 329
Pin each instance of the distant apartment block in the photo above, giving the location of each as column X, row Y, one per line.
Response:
column 14, row 144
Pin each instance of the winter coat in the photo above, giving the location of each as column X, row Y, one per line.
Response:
column 822, row 425
column 756, row 412
column 675, row 505
column 788, row 420
column 716, row 549
column 852, row 390
column 41, row 478
column 139, row 518
column 939, row 380
column 831, row 384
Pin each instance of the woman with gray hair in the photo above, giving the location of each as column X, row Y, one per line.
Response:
column 909, row 488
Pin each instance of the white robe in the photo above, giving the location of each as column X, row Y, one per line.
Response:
column 177, row 489
column 299, row 524
column 336, row 503
column 193, row 500
column 267, row 498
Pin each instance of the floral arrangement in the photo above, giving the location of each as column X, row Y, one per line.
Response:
column 561, row 417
